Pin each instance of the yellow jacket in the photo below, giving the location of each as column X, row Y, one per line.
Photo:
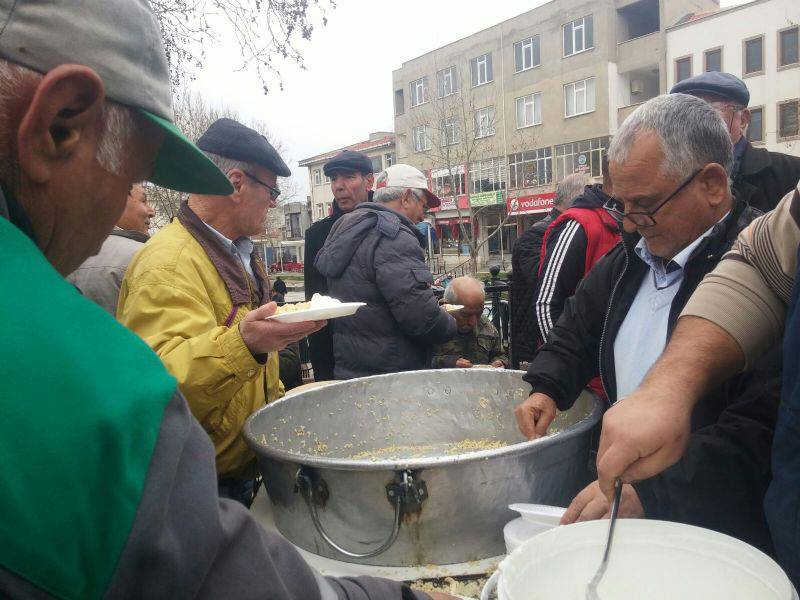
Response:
column 176, row 300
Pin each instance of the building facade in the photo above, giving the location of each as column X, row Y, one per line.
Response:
column 758, row 42
column 498, row 118
column 380, row 147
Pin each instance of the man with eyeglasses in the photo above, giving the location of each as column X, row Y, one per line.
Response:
column 670, row 163
column 760, row 177
column 199, row 294
column 374, row 255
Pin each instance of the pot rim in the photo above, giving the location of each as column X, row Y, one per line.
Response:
column 349, row 464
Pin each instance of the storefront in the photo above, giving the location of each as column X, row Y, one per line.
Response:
column 529, row 209
column 448, row 224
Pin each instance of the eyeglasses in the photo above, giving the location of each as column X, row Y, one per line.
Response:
column 274, row 192
column 643, row 218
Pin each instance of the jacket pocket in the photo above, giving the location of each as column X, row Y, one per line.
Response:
column 423, row 277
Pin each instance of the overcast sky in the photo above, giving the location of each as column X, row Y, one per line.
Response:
column 346, row 90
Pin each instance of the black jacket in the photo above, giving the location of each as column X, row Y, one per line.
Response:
column 564, row 263
column 765, row 177
column 721, row 480
column 373, row 255
column 524, row 274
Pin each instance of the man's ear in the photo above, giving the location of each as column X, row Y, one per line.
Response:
column 236, row 177
column 61, row 121
column 713, row 180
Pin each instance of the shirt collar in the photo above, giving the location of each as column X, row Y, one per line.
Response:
column 242, row 245
column 666, row 275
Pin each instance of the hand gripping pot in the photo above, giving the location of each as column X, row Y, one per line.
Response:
column 657, row 560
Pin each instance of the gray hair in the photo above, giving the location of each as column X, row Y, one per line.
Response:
column 450, row 295
column 389, row 194
column 118, row 122
column 691, row 132
column 570, row 188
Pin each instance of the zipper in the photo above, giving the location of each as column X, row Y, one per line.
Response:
column 605, row 321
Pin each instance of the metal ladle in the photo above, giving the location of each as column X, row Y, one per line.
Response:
column 591, row 589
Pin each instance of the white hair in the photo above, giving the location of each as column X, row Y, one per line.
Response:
column 570, row 188
column 118, row 122
column 691, row 132
column 450, row 294
column 389, row 194
column 225, row 164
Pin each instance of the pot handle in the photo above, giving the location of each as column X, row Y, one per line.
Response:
column 491, row 585
column 304, row 483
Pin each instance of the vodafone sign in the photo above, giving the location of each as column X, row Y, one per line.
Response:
column 528, row 205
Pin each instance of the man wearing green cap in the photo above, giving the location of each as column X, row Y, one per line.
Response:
column 108, row 486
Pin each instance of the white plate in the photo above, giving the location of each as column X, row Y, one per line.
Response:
column 453, row 307
column 345, row 309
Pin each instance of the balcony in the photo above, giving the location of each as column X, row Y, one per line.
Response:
column 640, row 52
column 638, row 86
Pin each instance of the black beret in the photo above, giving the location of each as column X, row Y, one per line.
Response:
column 721, row 84
column 230, row 139
column 347, row 160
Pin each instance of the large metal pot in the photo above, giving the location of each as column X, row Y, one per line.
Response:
column 338, row 492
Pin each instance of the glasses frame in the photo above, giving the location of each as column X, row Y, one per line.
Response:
column 273, row 191
column 645, row 219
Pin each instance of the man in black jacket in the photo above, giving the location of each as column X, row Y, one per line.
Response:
column 373, row 255
column 670, row 163
column 524, row 275
column 351, row 183
column 760, row 177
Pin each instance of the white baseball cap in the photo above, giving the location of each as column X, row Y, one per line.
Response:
column 406, row 176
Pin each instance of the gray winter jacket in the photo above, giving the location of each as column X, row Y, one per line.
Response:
column 373, row 255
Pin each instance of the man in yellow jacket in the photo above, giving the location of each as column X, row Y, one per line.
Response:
column 198, row 294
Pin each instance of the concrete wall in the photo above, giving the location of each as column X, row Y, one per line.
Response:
column 728, row 29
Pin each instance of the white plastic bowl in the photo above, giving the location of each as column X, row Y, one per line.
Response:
column 653, row 560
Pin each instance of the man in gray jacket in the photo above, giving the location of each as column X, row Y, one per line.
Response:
column 374, row 255
column 100, row 276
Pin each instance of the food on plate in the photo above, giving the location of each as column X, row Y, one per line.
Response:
column 317, row 301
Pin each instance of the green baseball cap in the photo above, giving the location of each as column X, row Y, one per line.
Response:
column 121, row 41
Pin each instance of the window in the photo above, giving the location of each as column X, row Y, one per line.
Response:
column 755, row 131
column 530, row 169
column 683, row 68
column 713, row 60
column 529, row 110
column 487, row 175
column 399, row 103
column 481, row 69
column 317, row 177
column 450, row 133
column 484, row 122
column 754, row 56
column 578, row 36
column 526, row 54
column 389, row 159
column 419, row 91
column 422, row 137
column 443, row 183
column 788, row 49
column 293, row 225
column 377, row 164
column 580, row 157
column 579, row 97
column 789, row 119
column 446, row 82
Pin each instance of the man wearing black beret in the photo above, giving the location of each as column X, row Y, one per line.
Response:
column 351, row 183
column 198, row 294
column 760, row 178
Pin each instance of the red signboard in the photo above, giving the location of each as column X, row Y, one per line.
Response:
column 528, row 205
column 449, row 204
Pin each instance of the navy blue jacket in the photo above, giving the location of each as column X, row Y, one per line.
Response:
column 373, row 255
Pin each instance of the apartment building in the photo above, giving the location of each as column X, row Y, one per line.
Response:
column 380, row 147
column 758, row 42
column 499, row 117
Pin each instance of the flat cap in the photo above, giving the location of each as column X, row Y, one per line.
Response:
column 714, row 82
column 347, row 160
column 231, row 139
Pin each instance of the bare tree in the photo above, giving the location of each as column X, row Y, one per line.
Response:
column 458, row 129
column 265, row 31
column 193, row 115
